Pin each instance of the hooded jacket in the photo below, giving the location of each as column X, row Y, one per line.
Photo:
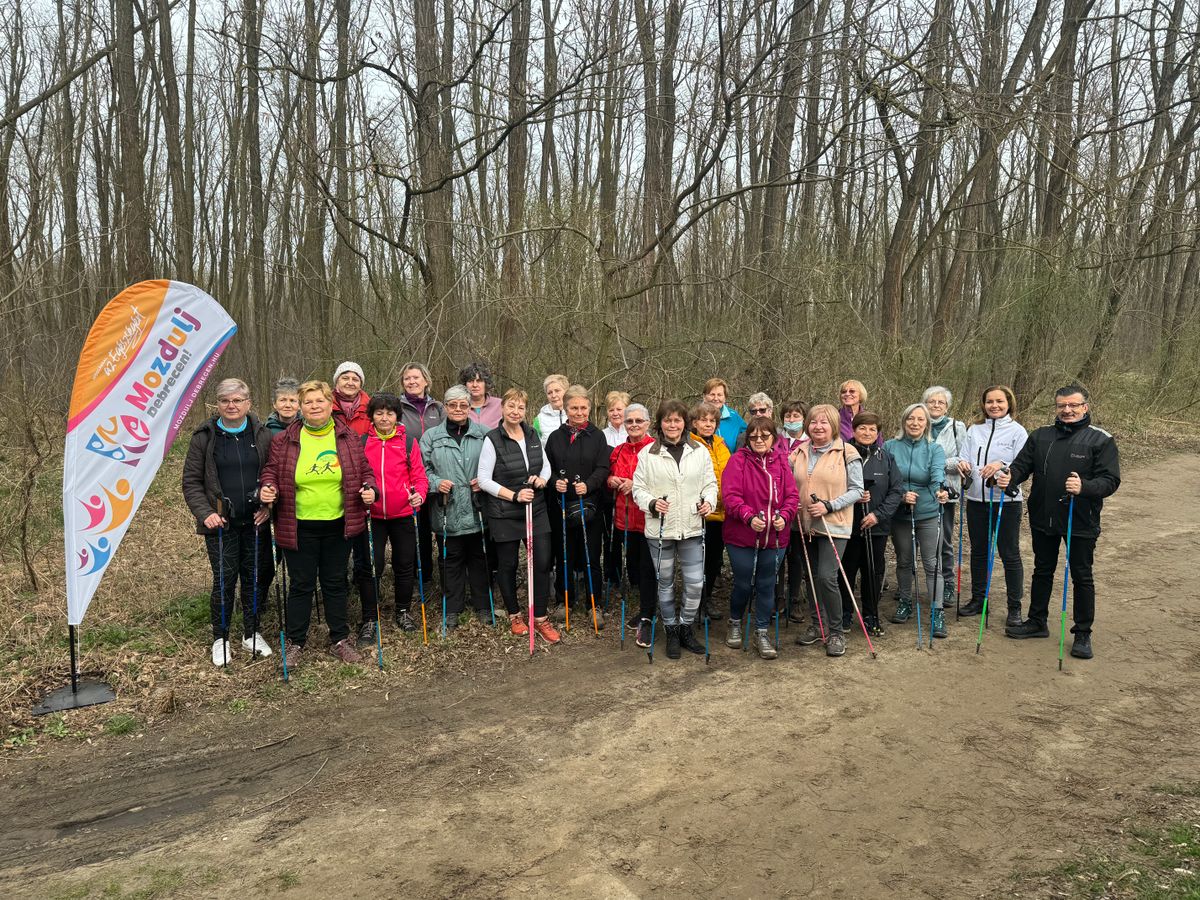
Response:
column 685, row 484
column 277, row 426
column 415, row 421
column 622, row 464
column 730, row 426
column 397, row 465
column 1051, row 454
column 756, row 484
column 922, row 466
column 548, row 420
column 447, row 459
column 280, row 471
column 201, row 483
column 996, row 440
column 719, row 451
column 950, row 434
column 882, row 478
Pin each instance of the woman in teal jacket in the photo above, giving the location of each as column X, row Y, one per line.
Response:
column 922, row 465
column 451, row 454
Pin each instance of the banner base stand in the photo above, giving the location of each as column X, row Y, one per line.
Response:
column 85, row 693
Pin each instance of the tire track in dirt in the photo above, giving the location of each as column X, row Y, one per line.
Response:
column 590, row 773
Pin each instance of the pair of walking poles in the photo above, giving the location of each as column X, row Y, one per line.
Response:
column 587, row 556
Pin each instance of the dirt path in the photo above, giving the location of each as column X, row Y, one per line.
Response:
column 588, row 773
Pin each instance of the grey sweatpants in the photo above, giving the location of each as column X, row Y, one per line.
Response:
column 927, row 541
column 690, row 553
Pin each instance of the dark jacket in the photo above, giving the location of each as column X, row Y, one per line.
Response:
column 280, row 471
column 881, row 476
column 417, row 423
column 201, row 485
column 506, row 519
column 275, row 426
column 587, row 459
column 1051, row 454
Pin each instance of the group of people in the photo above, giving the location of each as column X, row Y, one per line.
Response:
column 336, row 483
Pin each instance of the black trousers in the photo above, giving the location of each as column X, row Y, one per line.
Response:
column 321, row 554
column 639, row 571
column 363, row 578
column 231, row 556
column 425, row 539
column 862, row 557
column 1008, row 548
column 464, row 563
column 793, row 575
column 1083, row 588
column 507, row 556
column 714, row 558
column 401, row 536
column 554, row 515
column 579, row 561
column 612, row 547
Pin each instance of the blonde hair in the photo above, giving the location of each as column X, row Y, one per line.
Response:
column 576, row 390
column 514, row 393
column 231, row 386
column 560, row 380
column 320, row 386
column 614, row 397
column 830, row 414
column 858, row 386
column 716, row 383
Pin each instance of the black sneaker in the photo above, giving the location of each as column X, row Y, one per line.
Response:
column 406, row 622
column 1014, row 617
column 673, row 644
column 366, row 635
column 971, row 608
column 1082, row 646
column 1027, row 629
column 643, row 633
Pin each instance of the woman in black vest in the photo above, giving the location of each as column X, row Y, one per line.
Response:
column 513, row 472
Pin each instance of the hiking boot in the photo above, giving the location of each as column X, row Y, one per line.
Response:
column 847, row 621
column 547, row 631
column 643, row 633
column 366, row 634
column 599, row 621
column 903, row 611
column 1027, row 629
column 947, row 596
column 406, row 622
column 972, row 608
column 938, row 626
column 762, row 643
column 1081, row 648
column 794, row 612
column 257, row 645
column 343, row 651
column 835, row 646
column 1014, row 615
column 689, row 641
column 558, row 615
column 222, row 652
column 874, row 629
column 673, row 642
column 733, row 638
column 294, row 654
column 811, row 635
column 516, row 624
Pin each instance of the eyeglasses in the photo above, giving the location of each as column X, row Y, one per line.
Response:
column 458, row 404
column 637, row 421
column 759, row 437
column 1070, row 406
column 760, row 410
column 233, row 401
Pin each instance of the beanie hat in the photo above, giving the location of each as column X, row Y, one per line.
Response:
column 349, row 367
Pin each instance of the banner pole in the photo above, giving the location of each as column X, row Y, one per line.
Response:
column 74, row 662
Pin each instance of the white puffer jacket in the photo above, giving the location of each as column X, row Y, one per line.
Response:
column 996, row 440
column 684, row 485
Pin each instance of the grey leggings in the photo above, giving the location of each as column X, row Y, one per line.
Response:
column 927, row 541
column 690, row 552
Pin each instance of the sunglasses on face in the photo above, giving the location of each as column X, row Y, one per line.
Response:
column 759, row 437
column 760, row 410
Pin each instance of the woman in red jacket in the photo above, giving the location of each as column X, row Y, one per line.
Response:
column 320, row 485
column 629, row 523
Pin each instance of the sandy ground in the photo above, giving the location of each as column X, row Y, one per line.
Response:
column 586, row 772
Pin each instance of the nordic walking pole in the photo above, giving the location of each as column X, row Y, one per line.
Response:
column 420, row 573
column 444, row 522
column 562, row 504
column 483, row 540
column 811, row 585
column 1062, row 625
column 846, row 581
column 375, row 584
column 624, row 565
column 587, row 558
column 221, row 501
column 280, row 595
column 254, row 594
column 753, row 584
column 703, row 560
column 993, row 539
column 662, row 521
column 962, row 514
column 916, row 591
column 529, row 567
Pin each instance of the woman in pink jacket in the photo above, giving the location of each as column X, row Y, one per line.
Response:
column 395, row 458
column 760, row 497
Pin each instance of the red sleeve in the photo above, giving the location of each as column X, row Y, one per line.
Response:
column 416, row 472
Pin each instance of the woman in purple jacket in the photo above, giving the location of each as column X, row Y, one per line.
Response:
column 761, row 499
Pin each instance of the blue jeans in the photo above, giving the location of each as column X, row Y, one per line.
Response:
column 761, row 580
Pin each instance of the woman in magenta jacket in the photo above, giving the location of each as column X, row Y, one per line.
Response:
column 760, row 497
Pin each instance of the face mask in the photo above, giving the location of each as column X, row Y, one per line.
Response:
column 793, row 427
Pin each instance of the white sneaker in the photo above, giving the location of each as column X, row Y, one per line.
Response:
column 221, row 652
column 257, row 645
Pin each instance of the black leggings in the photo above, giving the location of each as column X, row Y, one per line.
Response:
column 322, row 552
column 1008, row 548
column 639, row 570
column 402, row 535
column 714, row 552
column 236, row 546
column 507, row 558
column 464, row 563
column 856, row 562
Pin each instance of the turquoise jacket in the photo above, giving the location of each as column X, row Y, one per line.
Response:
column 447, row 460
column 922, row 466
column 730, row 427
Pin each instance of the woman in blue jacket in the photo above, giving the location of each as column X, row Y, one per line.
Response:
column 922, row 465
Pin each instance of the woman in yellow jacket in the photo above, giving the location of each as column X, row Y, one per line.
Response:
column 705, row 417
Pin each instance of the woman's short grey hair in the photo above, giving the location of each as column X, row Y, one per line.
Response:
column 456, row 392
column 285, row 385
column 233, row 386
column 932, row 392
column 760, row 397
column 634, row 408
column 908, row 411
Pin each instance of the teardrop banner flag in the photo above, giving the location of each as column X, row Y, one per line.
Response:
column 142, row 366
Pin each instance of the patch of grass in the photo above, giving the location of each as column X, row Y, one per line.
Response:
column 347, row 672
column 22, row 738
column 1177, row 790
column 114, row 635
column 121, row 723
column 306, row 682
column 189, row 615
column 239, row 705
column 56, row 727
column 287, row 880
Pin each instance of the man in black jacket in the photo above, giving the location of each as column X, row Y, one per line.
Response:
column 1070, row 459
